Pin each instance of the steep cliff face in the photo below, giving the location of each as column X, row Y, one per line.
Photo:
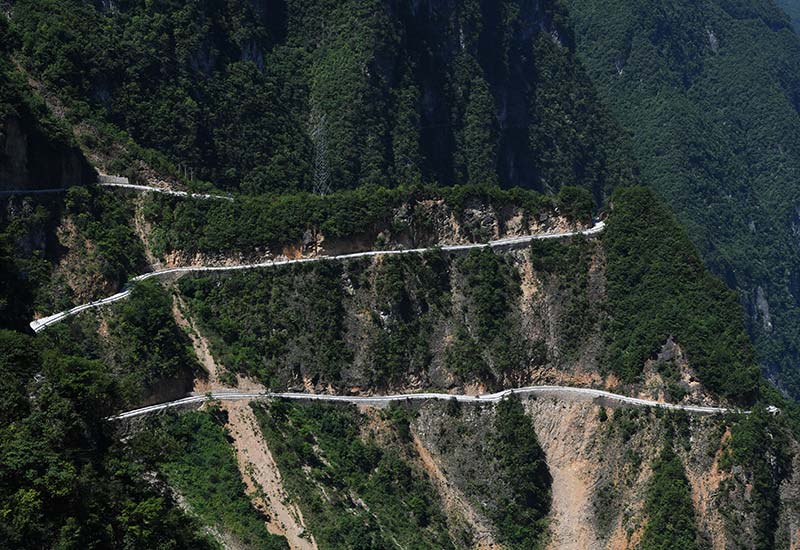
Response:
column 622, row 309
column 631, row 309
column 67, row 248
column 549, row 472
column 37, row 151
column 367, row 219
column 604, row 463
column 301, row 95
column 396, row 322
column 584, row 473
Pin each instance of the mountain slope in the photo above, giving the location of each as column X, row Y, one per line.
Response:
column 327, row 95
column 710, row 94
column 36, row 150
column 376, row 105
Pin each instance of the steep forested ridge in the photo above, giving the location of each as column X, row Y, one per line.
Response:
column 271, row 96
column 710, row 93
column 65, row 481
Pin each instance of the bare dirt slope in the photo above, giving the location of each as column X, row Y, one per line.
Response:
column 565, row 430
column 263, row 479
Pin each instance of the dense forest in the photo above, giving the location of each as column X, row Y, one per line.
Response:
column 305, row 95
column 38, row 151
column 66, row 481
column 709, row 93
column 252, row 224
column 658, row 289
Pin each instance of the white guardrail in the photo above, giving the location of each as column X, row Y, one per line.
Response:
column 376, row 400
column 104, row 180
column 40, row 324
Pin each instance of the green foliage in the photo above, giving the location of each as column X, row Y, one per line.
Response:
column 106, row 222
column 658, row 287
column 410, row 295
column 464, row 357
column 147, row 346
column 185, row 79
column 575, row 203
column 62, row 484
column 39, row 150
column 15, row 289
column 357, row 492
column 676, row 390
column 759, row 446
column 668, row 507
column 480, row 134
column 96, row 234
column 490, row 283
column 563, row 126
column 358, row 322
column 142, row 345
column 491, row 454
column 708, row 92
column 201, row 465
column 19, row 362
column 250, row 224
column 521, row 520
column 399, row 418
column 567, row 265
column 285, row 97
column 626, row 422
column 491, row 286
column 277, row 325
column 605, row 507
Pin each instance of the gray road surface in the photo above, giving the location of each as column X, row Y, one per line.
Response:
column 511, row 242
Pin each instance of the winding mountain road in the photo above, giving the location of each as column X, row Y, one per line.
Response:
column 143, row 188
column 587, row 394
column 510, row 242
column 147, row 188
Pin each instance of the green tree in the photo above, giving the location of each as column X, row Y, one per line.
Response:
column 480, row 134
column 522, row 465
column 707, row 90
column 405, row 139
column 668, row 507
column 147, row 346
column 63, row 484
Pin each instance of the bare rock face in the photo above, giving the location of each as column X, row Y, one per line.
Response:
column 762, row 306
